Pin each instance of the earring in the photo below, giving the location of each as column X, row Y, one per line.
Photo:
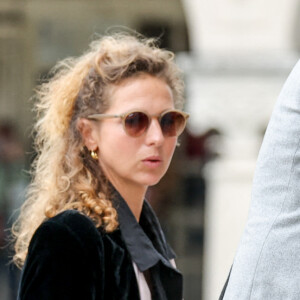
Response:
column 177, row 144
column 94, row 155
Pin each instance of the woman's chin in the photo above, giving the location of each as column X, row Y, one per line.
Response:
column 153, row 181
column 148, row 180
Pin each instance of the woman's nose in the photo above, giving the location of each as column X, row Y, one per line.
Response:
column 154, row 135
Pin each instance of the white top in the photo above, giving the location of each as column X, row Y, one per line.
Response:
column 144, row 290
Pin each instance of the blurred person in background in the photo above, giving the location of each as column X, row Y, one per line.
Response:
column 107, row 129
column 12, row 188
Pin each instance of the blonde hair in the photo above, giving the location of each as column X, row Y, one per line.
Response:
column 64, row 174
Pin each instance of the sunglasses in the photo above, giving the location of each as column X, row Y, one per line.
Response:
column 135, row 123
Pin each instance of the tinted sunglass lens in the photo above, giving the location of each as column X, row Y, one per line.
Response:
column 172, row 123
column 136, row 123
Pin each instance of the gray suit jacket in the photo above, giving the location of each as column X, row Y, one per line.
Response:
column 267, row 263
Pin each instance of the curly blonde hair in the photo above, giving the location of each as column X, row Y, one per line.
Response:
column 64, row 174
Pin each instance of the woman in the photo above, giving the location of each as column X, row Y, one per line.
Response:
column 109, row 123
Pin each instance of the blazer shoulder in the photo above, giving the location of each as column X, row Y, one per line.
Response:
column 69, row 225
column 74, row 221
column 65, row 260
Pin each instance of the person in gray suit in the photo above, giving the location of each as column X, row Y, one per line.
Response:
column 267, row 262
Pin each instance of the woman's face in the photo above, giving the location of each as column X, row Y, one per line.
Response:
column 139, row 160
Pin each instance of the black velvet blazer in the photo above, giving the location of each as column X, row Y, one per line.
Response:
column 69, row 258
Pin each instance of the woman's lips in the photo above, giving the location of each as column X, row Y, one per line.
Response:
column 152, row 161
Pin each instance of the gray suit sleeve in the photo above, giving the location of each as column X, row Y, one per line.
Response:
column 267, row 263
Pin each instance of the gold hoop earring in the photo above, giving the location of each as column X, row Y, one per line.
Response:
column 94, row 155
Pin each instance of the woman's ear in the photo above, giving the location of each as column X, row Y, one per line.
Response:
column 87, row 131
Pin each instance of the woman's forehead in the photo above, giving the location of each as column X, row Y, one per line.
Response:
column 140, row 91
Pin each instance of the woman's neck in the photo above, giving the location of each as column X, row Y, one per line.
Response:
column 134, row 200
column 133, row 195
